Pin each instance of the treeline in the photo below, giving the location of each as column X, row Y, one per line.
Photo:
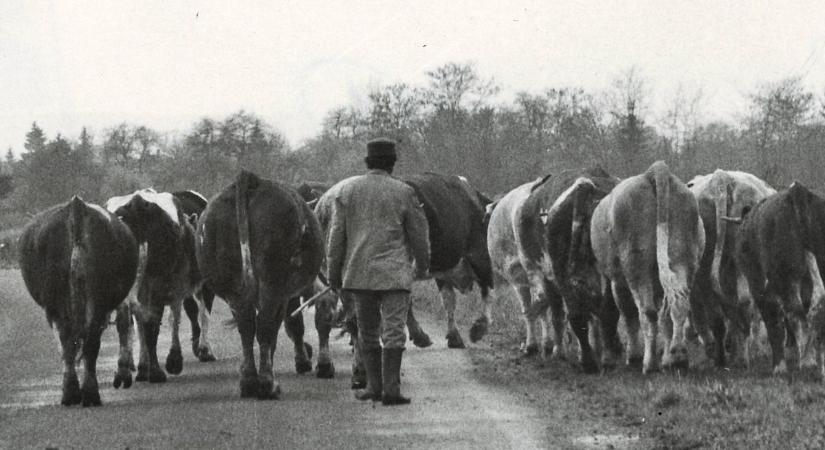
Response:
column 452, row 124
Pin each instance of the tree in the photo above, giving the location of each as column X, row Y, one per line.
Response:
column 35, row 139
column 778, row 128
column 118, row 145
column 454, row 85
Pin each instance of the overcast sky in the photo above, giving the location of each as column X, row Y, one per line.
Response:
column 165, row 64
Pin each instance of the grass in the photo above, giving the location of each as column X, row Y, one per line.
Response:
column 704, row 407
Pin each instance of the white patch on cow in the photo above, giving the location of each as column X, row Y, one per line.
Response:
column 543, row 215
column 566, row 194
column 464, row 179
column 100, row 210
column 164, row 200
column 197, row 194
column 546, row 265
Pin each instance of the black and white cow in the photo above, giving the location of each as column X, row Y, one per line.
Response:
column 259, row 245
column 168, row 273
column 78, row 262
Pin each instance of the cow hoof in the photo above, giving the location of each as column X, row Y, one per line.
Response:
column 809, row 374
column 157, row 375
column 174, row 362
column 479, row 329
column 454, row 340
column 589, row 366
column 249, row 387
column 421, row 340
column 530, row 351
column 91, row 397
column 781, row 368
column 358, row 384
column 71, row 392
column 308, row 350
column 123, row 377
column 325, row 370
column 649, row 370
column 677, row 365
column 205, row 355
column 268, row 390
column 142, row 373
column 195, row 350
column 303, row 366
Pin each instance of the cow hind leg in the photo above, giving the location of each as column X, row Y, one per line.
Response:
column 530, row 346
column 267, row 323
column 417, row 334
column 295, row 330
column 143, row 348
column 203, row 350
column 555, row 323
column 192, row 308
column 245, row 318
column 643, row 294
column 174, row 360
column 68, row 347
column 609, row 321
column 447, row 293
column 91, row 348
column 482, row 324
column 324, row 312
column 676, row 308
column 151, row 330
column 627, row 307
column 125, row 333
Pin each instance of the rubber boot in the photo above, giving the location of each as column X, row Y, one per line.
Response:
column 392, row 377
column 372, row 365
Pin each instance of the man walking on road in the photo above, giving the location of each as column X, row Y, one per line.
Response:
column 378, row 228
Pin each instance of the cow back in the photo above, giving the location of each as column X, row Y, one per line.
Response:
column 454, row 216
column 284, row 238
column 109, row 258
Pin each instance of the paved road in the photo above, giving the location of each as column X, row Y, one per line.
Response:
column 201, row 407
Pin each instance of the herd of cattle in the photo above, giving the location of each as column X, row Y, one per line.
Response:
column 581, row 249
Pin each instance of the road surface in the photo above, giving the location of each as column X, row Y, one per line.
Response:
column 201, row 408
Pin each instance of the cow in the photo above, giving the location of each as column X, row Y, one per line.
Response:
column 259, row 245
column 720, row 304
column 78, row 262
column 539, row 245
column 168, row 273
column 648, row 238
column 458, row 256
column 779, row 251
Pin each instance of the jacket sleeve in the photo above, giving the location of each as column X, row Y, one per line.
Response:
column 418, row 234
column 337, row 243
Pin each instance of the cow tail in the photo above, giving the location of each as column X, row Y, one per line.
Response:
column 578, row 224
column 77, row 270
column 721, row 203
column 667, row 277
column 242, row 187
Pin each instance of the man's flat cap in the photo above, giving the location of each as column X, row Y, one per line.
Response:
column 381, row 148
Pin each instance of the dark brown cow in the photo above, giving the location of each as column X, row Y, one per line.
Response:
column 78, row 262
column 780, row 250
column 259, row 245
column 648, row 239
column 539, row 242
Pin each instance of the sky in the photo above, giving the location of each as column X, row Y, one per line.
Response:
column 166, row 64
